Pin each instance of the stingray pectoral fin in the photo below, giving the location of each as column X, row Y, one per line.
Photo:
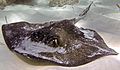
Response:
column 11, row 32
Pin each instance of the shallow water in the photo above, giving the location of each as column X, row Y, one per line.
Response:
column 103, row 18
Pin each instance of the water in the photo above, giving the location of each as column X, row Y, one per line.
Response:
column 100, row 18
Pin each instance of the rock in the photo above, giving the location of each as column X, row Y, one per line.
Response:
column 61, row 3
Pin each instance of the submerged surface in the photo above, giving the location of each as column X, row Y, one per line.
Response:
column 107, row 25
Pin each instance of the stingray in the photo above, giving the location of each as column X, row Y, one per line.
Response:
column 57, row 41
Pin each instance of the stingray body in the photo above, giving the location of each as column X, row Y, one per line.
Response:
column 57, row 41
column 61, row 42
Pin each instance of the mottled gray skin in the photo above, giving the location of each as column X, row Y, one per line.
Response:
column 57, row 41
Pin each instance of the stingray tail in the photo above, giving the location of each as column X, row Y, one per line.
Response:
column 84, row 12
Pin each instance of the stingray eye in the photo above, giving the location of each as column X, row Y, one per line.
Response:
column 54, row 42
